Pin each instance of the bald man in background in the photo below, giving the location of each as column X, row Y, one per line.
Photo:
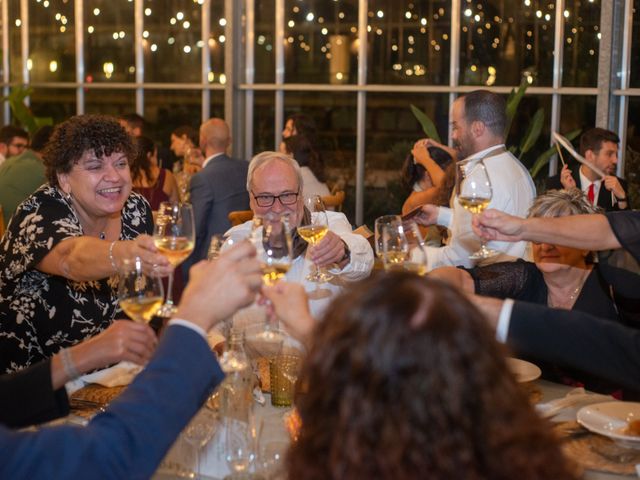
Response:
column 219, row 188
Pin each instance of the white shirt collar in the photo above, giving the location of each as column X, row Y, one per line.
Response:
column 204, row 164
column 484, row 152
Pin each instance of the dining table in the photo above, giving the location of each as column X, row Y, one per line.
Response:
column 179, row 461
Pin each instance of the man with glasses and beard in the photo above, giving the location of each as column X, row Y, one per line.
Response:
column 274, row 185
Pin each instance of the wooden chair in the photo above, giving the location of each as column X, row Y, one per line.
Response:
column 238, row 217
column 336, row 200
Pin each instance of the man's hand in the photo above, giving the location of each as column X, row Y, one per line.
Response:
column 291, row 305
column 217, row 289
column 496, row 225
column 566, row 179
column 427, row 216
column 329, row 251
column 612, row 184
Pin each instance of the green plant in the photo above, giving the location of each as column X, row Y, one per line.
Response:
column 22, row 113
column 527, row 142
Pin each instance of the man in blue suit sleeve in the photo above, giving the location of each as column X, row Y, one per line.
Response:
column 217, row 189
column 130, row 439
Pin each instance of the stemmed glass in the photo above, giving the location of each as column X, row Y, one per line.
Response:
column 416, row 261
column 198, row 433
column 395, row 246
column 474, row 192
column 139, row 294
column 240, row 447
column 314, row 232
column 378, row 227
column 174, row 235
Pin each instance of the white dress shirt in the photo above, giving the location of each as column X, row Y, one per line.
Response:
column 513, row 193
column 320, row 294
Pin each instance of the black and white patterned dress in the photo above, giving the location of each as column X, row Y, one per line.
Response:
column 42, row 313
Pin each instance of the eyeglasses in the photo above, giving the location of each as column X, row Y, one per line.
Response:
column 287, row 198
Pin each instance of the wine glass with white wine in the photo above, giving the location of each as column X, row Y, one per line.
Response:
column 139, row 294
column 314, row 231
column 174, row 235
column 395, row 246
column 474, row 192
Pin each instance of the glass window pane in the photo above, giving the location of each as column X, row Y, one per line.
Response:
column 110, row 102
column 501, row 42
column 216, row 42
column 409, row 42
column 216, row 107
column 335, row 118
column 172, row 47
column 634, row 80
column 15, row 48
column 52, row 42
column 55, row 103
column 581, row 43
column 577, row 111
column 109, row 54
column 263, row 122
column 164, row 110
column 321, row 41
column 632, row 153
column 265, row 63
column 391, row 132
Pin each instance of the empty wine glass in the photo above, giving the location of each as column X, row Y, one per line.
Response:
column 379, row 224
column 174, row 235
column 240, row 447
column 198, row 433
column 140, row 294
column 474, row 192
column 314, row 231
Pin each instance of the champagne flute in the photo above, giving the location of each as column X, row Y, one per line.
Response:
column 378, row 226
column 174, row 235
column 140, row 295
column 474, row 192
column 314, row 232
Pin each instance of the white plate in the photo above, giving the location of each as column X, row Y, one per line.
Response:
column 611, row 419
column 524, row 371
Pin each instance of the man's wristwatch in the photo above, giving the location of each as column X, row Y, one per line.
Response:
column 347, row 253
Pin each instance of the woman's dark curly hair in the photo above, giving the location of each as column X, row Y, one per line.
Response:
column 141, row 161
column 72, row 138
column 413, row 172
column 406, row 381
column 305, row 153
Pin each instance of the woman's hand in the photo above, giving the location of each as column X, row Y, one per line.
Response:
column 144, row 247
column 291, row 305
column 123, row 340
column 421, row 153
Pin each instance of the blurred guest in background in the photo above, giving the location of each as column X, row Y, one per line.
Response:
column 22, row 174
column 13, row 141
column 155, row 184
column 407, row 381
column 311, row 166
column 136, row 126
column 62, row 247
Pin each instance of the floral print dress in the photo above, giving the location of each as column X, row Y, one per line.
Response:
column 42, row 313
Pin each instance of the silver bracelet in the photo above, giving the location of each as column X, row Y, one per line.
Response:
column 67, row 364
column 113, row 260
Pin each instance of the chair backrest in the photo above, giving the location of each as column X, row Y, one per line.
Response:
column 336, row 200
column 238, row 217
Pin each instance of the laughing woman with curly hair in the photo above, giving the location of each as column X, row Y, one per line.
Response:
column 59, row 255
column 405, row 381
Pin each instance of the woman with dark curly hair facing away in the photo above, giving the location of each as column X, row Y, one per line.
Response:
column 62, row 247
column 405, row 380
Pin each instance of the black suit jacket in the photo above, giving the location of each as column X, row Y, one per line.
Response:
column 604, row 196
column 219, row 188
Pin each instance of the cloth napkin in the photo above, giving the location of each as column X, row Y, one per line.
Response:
column 120, row 374
column 570, row 403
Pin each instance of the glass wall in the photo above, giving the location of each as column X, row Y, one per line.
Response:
column 417, row 53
